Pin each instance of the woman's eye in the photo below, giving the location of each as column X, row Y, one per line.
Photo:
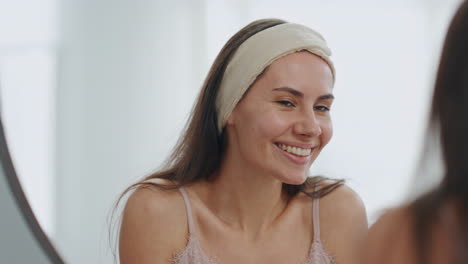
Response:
column 322, row 108
column 286, row 103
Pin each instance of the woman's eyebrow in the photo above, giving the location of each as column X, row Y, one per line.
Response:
column 326, row 97
column 290, row 90
column 299, row 94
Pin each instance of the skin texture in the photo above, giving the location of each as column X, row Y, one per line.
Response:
column 243, row 216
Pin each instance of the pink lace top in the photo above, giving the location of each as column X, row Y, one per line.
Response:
column 193, row 254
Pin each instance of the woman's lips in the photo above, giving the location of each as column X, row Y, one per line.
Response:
column 300, row 160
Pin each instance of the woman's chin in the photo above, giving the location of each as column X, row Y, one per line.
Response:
column 295, row 180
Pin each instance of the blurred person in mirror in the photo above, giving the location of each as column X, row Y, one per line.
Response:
column 434, row 227
column 236, row 188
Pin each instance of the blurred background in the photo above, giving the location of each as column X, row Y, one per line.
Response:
column 94, row 94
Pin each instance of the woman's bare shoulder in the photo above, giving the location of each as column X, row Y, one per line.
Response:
column 154, row 225
column 343, row 203
column 343, row 222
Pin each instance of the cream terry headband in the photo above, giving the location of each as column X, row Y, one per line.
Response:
column 257, row 53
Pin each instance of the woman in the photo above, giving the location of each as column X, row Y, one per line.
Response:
column 434, row 228
column 236, row 188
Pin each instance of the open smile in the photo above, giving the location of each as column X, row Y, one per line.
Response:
column 297, row 155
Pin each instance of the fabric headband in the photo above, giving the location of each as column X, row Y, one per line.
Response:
column 257, row 53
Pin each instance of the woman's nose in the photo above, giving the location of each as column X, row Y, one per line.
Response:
column 308, row 125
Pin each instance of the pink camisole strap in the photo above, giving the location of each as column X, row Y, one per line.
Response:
column 316, row 219
column 317, row 254
column 192, row 253
column 188, row 207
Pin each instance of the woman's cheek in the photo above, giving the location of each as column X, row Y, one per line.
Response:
column 327, row 132
column 274, row 122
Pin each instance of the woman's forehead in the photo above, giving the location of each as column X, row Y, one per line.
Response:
column 299, row 61
column 298, row 70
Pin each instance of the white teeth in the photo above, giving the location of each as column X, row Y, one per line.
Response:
column 295, row 150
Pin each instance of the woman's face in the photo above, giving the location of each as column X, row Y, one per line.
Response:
column 283, row 121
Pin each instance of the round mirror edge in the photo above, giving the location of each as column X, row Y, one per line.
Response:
column 22, row 202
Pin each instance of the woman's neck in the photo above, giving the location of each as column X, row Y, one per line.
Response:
column 245, row 199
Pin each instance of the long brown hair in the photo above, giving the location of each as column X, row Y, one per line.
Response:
column 449, row 115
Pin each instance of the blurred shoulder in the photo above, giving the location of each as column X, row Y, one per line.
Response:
column 393, row 218
column 154, row 224
column 390, row 238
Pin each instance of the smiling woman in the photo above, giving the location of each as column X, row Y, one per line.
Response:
column 236, row 188
column 92, row 101
column 282, row 130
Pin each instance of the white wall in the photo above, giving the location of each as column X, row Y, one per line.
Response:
column 28, row 36
column 126, row 85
